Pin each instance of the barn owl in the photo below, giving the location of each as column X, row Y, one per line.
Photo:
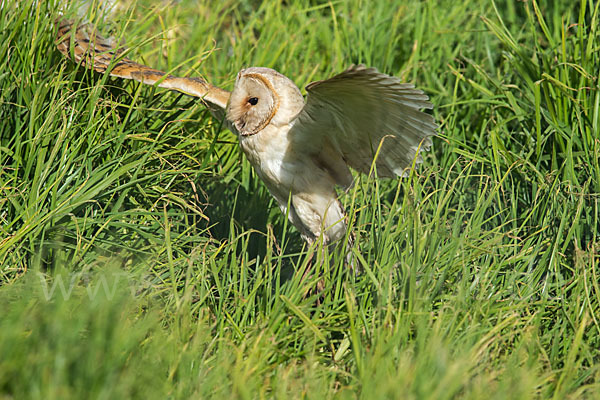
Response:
column 301, row 149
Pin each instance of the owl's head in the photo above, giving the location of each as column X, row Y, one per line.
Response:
column 262, row 96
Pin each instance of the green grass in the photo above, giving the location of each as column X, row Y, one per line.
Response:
column 481, row 270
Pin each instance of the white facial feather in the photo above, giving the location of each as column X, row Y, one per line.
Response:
column 252, row 104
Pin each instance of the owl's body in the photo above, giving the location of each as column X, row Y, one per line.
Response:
column 301, row 150
column 304, row 191
column 299, row 181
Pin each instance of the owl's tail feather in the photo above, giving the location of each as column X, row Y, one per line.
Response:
column 100, row 54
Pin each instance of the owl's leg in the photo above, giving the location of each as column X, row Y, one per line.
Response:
column 310, row 240
column 308, row 274
column 309, row 271
column 341, row 242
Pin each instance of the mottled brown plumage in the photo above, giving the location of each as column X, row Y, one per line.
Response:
column 94, row 51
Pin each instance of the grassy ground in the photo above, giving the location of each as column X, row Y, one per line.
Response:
column 140, row 257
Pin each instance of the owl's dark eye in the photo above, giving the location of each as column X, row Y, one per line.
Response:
column 253, row 101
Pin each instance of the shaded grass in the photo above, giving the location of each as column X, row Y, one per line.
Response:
column 480, row 270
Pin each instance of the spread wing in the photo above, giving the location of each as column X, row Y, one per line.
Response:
column 356, row 111
column 100, row 54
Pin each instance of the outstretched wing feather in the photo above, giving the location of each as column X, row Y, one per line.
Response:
column 363, row 114
column 102, row 55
